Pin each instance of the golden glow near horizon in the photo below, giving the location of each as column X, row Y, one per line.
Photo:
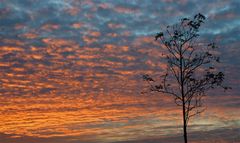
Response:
column 108, row 119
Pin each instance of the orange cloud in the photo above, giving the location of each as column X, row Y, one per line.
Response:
column 77, row 25
column 94, row 33
column 29, row 35
column 89, row 40
column 115, row 26
column 104, row 5
column 50, row 27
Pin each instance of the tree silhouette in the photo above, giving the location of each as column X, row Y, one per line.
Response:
column 191, row 71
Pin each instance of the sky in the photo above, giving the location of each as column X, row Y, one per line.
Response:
column 70, row 71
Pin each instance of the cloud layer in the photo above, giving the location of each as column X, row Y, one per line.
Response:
column 71, row 68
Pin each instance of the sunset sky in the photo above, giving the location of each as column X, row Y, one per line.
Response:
column 70, row 71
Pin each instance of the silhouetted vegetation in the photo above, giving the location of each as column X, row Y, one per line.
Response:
column 191, row 71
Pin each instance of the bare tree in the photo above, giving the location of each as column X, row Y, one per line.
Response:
column 191, row 71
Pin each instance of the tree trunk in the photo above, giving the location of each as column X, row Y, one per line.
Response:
column 184, row 125
column 183, row 97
